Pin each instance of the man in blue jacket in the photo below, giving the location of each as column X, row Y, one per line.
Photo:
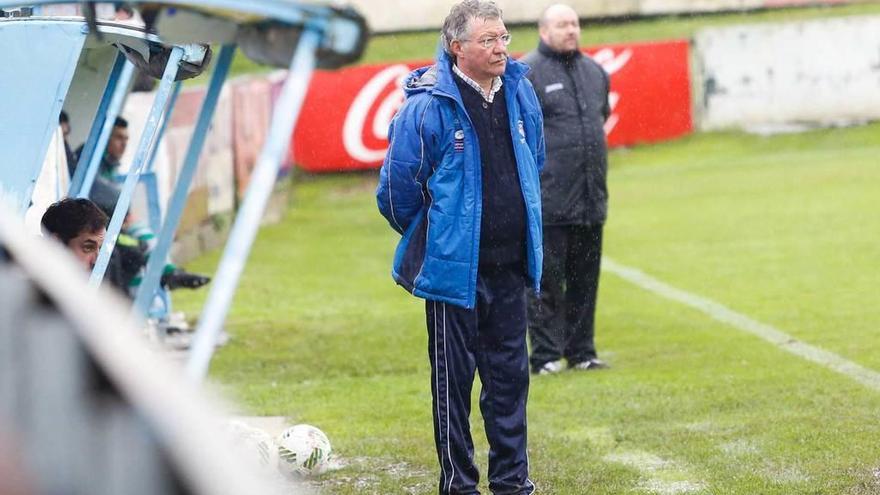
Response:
column 460, row 183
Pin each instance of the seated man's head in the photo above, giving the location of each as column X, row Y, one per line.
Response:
column 80, row 225
column 118, row 140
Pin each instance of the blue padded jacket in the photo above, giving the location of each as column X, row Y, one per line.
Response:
column 430, row 187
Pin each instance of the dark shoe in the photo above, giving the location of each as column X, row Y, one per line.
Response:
column 590, row 365
column 180, row 278
column 549, row 368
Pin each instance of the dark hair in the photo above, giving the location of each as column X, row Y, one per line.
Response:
column 62, row 117
column 70, row 217
column 124, row 7
column 120, row 122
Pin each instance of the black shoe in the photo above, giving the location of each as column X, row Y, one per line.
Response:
column 183, row 279
column 589, row 365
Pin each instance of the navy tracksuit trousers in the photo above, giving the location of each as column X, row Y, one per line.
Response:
column 489, row 339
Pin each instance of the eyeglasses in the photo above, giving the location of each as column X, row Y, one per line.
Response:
column 492, row 41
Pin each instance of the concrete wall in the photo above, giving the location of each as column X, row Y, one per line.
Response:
column 403, row 15
column 814, row 73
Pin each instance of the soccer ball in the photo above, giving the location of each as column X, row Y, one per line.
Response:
column 304, row 449
column 254, row 444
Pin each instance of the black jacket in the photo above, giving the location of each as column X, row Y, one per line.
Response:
column 573, row 91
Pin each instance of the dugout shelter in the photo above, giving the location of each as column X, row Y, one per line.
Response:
column 84, row 65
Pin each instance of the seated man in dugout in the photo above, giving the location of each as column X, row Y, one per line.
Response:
column 136, row 240
column 80, row 225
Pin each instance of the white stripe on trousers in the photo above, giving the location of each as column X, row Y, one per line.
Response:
column 437, row 384
column 437, row 388
column 446, row 373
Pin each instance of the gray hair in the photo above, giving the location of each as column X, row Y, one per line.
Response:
column 455, row 26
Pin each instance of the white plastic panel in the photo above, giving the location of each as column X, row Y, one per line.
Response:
column 32, row 96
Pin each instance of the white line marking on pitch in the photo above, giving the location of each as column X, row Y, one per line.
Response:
column 719, row 312
column 663, row 477
column 658, row 476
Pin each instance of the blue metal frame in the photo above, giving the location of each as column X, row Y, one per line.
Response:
column 149, row 180
column 166, row 117
column 151, row 187
column 119, row 87
column 95, row 132
column 148, row 177
column 155, row 219
column 150, row 282
column 144, row 147
column 259, row 189
column 283, row 10
column 317, row 22
column 154, row 210
column 154, row 216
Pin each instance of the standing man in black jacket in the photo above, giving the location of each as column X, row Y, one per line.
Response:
column 573, row 90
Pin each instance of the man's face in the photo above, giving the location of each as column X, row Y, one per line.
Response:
column 561, row 30
column 118, row 142
column 479, row 63
column 85, row 247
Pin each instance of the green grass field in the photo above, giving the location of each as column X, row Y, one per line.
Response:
column 782, row 229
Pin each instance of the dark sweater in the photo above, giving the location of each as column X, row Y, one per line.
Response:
column 503, row 223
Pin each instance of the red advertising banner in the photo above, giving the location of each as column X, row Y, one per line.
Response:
column 650, row 91
column 346, row 113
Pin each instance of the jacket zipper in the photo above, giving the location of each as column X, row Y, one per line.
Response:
column 478, row 190
column 577, row 98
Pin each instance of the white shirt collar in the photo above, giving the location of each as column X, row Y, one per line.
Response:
column 496, row 84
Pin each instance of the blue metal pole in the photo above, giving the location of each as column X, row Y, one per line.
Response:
column 283, row 10
column 263, row 178
column 149, row 177
column 166, row 117
column 88, row 149
column 119, row 94
column 140, row 159
column 150, row 282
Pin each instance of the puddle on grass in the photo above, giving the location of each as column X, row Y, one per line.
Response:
column 414, row 478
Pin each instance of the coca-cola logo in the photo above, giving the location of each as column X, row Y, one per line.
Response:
column 612, row 63
column 356, row 126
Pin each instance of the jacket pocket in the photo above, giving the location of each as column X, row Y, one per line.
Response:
column 449, row 235
column 411, row 252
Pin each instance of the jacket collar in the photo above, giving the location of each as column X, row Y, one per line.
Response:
column 497, row 82
column 545, row 50
column 438, row 78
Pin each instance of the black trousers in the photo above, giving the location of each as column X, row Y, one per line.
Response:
column 561, row 318
column 489, row 339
